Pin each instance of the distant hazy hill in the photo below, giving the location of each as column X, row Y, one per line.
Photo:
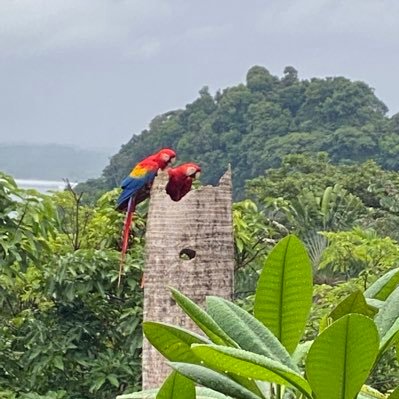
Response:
column 51, row 161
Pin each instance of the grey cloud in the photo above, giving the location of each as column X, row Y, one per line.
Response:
column 304, row 17
column 94, row 72
column 39, row 26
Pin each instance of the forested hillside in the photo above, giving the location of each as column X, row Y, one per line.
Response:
column 253, row 125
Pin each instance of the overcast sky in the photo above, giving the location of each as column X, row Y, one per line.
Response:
column 94, row 72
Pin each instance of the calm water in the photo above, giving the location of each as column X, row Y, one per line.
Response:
column 43, row 186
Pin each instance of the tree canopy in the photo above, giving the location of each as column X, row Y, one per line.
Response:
column 254, row 125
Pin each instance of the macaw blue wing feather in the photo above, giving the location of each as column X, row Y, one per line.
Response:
column 131, row 186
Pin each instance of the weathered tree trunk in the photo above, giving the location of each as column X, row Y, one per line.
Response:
column 198, row 227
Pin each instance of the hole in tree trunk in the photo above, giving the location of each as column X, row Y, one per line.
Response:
column 187, row 254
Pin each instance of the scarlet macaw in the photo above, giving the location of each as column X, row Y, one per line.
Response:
column 136, row 188
column 181, row 179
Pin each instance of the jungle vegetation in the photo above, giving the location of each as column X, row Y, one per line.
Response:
column 314, row 165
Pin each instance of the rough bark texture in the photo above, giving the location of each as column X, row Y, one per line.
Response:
column 200, row 222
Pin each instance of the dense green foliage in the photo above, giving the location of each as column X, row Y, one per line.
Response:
column 69, row 333
column 65, row 330
column 250, row 357
column 254, row 125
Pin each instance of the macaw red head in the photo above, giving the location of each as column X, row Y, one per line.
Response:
column 191, row 170
column 181, row 179
column 165, row 157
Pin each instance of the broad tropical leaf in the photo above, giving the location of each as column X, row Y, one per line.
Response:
column 375, row 303
column 176, row 386
column 251, row 365
column 342, row 356
column 284, row 294
column 213, row 380
column 384, row 286
column 201, row 392
column 249, row 333
column 172, row 342
column 353, row 303
column 394, row 394
column 301, row 351
column 387, row 321
column 202, row 319
column 370, row 393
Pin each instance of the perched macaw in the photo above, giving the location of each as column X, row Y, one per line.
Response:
column 136, row 188
column 181, row 179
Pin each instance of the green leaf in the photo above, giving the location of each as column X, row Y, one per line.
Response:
column 202, row 319
column 201, row 392
column 58, row 362
column 249, row 333
column 284, row 293
column 387, row 321
column 172, row 342
column 176, row 386
column 98, row 383
column 394, row 394
column 370, row 393
column 301, row 351
column 146, row 394
column 375, row 303
column 251, row 365
column 213, row 380
column 353, row 303
column 112, row 378
column 384, row 286
column 342, row 356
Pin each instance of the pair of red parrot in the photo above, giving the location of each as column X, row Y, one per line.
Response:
column 137, row 185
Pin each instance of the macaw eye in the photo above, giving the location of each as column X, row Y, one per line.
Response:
column 190, row 172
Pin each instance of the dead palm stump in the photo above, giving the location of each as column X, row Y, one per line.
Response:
column 189, row 246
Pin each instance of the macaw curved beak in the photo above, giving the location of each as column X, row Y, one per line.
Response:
column 197, row 175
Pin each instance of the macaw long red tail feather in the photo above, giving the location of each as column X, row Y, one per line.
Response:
column 125, row 236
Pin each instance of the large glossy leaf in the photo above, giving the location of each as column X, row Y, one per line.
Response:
column 176, row 386
column 202, row 319
column 394, row 394
column 387, row 321
column 342, row 356
column 301, row 352
column 353, row 303
column 249, row 333
column 213, row 380
column 211, row 328
column 375, row 303
column 172, row 342
column 384, row 286
column 370, row 393
column 251, row 365
column 284, row 293
column 201, row 392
